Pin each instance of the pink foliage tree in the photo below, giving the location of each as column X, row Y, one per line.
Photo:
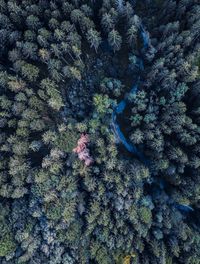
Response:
column 82, row 150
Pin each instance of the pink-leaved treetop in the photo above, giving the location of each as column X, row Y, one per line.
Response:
column 82, row 150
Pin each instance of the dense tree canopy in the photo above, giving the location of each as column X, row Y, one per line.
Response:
column 64, row 66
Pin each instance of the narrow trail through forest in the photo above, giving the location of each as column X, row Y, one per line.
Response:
column 119, row 110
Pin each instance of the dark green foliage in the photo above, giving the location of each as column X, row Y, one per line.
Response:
column 114, row 40
column 64, row 66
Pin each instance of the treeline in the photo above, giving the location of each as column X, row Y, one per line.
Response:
column 64, row 65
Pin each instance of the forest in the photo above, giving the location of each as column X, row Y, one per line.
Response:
column 99, row 132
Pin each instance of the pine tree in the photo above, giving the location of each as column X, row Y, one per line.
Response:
column 94, row 38
column 115, row 40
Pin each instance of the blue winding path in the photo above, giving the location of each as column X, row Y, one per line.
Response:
column 119, row 109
